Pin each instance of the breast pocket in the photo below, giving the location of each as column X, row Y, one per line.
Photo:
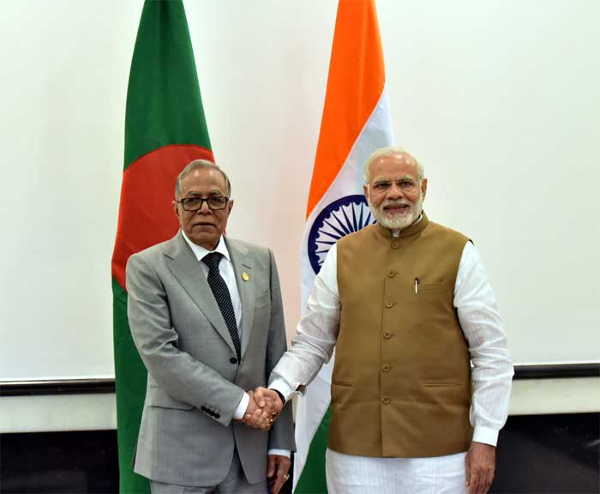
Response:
column 431, row 287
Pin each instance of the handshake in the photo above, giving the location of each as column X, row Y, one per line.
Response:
column 263, row 409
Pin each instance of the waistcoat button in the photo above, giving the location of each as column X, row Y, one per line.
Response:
column 385, row 400
column 389, row 304
column 387, row 335
column 385, row 367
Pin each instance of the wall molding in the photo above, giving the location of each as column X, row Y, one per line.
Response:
column 107, row 385
column 57, row 387
column 556, row 371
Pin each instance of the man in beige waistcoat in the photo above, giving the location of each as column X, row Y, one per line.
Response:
column 422, row 375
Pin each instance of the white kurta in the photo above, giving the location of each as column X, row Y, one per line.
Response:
column 478, row 315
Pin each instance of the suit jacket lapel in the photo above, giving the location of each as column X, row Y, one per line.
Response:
column 186, row 269
column 243, row 266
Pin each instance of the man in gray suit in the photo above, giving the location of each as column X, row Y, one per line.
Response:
column 206, row 315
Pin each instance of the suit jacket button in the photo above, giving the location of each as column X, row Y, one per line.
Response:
column 233, row 360
column 217, row 415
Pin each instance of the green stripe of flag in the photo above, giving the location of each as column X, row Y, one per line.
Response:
column 163, row 97
column 130, row 391
column 313, row 478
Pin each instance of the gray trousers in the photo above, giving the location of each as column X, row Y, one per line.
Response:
column 234, row 483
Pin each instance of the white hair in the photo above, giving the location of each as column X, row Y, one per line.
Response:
column 200, row 165
column 391, row 151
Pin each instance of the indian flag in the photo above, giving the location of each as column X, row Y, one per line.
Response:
column 356, row 121
column 165, row 129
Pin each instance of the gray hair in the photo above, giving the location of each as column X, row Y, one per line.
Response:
column 200, row 165
column 391, row 151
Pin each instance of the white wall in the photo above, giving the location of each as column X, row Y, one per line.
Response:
column 98, row 411
column 499, row 98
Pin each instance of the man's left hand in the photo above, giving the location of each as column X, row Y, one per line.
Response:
column 277, row 472
column 269, row 399
column 480, row 464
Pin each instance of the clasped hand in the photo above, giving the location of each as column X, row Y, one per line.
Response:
column 263, row 409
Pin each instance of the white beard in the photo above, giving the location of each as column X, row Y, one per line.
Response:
column 398, row 221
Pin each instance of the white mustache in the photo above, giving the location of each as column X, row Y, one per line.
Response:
column 396, row 203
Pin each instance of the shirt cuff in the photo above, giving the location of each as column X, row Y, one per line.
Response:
column 485, row 435
column 283, row 387
column 280, row 452
column 240, row 411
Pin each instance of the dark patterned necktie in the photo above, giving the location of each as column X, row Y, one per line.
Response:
column 222, row 296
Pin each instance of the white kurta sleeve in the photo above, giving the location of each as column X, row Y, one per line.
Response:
column 492, row 369
column 316, row 333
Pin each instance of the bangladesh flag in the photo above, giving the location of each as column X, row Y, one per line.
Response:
column 165, row 129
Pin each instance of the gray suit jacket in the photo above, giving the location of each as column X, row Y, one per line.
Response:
column 187, row 436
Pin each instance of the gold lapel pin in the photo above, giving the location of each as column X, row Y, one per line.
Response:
column 245, row 276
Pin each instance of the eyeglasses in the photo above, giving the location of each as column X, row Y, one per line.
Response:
column 215, row 203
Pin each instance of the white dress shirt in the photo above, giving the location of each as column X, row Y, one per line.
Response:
column 478, row 316
column 228, row 274
column 225, row 269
